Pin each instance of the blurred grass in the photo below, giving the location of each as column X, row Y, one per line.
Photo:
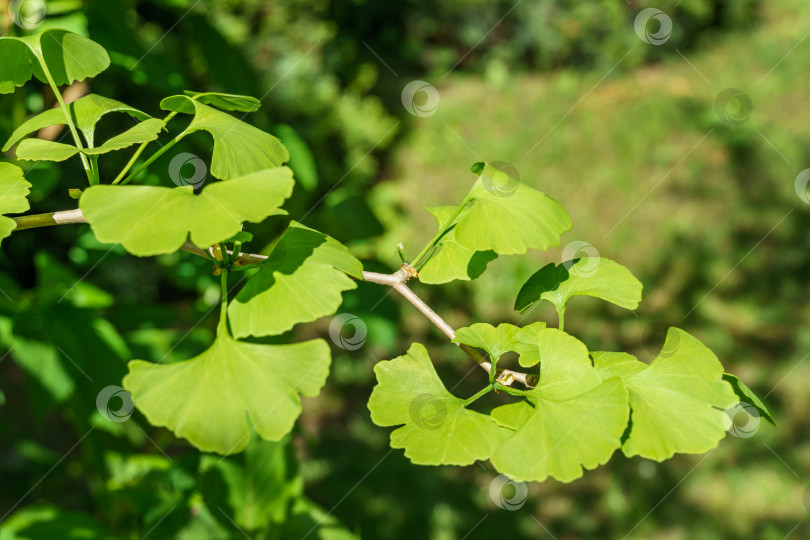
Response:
column 703, row 212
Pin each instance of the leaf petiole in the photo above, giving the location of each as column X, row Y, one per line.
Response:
column 427, row 250
column 484, row 391
column 138, row 153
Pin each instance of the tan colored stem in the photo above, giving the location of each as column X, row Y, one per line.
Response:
column 397, row 281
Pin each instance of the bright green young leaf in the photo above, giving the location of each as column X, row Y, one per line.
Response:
column 226, row 102
column 69, row 58
column 42, row 150
column 565, row 368
column 496, row 341
column 45, row 522
column 145, row 131
column 747, row 395
column 559, row 438
column 677, row 401
column 437, row 428
column 526, row 343
column 13, row 196
column 150, row 220
column 509, row 217
column 302, row 280
column 85, row 112
column 592, row 276
column 452, row 260
column 215, row 398
column 239, row 148
column 573, row 419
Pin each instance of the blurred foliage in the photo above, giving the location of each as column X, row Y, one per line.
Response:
column 719, row 242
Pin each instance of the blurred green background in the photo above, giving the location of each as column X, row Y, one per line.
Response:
column 661, row 169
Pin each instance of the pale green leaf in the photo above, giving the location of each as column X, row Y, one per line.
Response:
column 217, row 399
column 510, row 221
column 526, row 343
column 13, row 196
column 592, row 276
column 560, row 438
column 226, row 102
column 565, row 367
column 302, row 280
column 42, row 150
column 677, row 401
column 747, row 395
column 145, row 131
column 572, row 419
column 451, row 260
column 437, row 429
column 239, row 148
column 85, row 113
column 496, row 341
column 68, row 56
column 150, row 220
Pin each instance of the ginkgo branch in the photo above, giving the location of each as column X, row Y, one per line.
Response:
column 397, row 281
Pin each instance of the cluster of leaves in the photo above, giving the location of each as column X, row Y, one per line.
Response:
column 582, row 407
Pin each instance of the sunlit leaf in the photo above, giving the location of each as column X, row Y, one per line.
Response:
column 438, row 429
column 226, row 102
column 85, row 113
column 216, row 399
column 677, row 401
column 69, row 58
column 13, row 196
column 592, row 276
column 43, row 150
column 572, row 419
column 302, row 280
column 747, row 395
column 239, row 148
column 495, row 340
column 452, row 260
column 149, row 220
column 511, row 219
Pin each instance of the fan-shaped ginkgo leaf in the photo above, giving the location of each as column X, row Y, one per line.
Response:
column 677, row 401
column 239, row 148
column 13, row 196
column 438, row 428
column 149, row 220
column 302, row 280
column 216, row 399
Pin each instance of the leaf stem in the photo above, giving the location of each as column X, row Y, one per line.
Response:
column 152, row 158
column 433, row 241
column 68, row 118
column 511, row 391
column 223, row 309
column 138, row 152
column 561, row 318
column 479, row 394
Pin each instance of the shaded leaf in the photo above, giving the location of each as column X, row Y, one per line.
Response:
column 216, row 399
column 302, row 280
column 677, row 401
column 592, row 276
column 239, row 148
column 437, row 428
column 149, row 220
